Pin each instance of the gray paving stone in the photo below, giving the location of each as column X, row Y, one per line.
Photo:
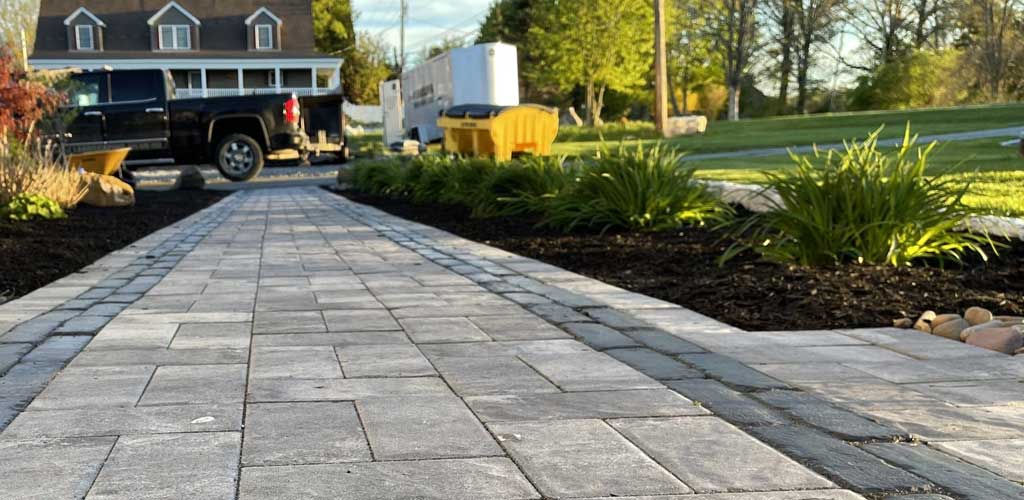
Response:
column 499, row 349
column 360, row 320
column 58, row 468
column 663, row 341
column 952, row 474
column 110, row 421
column 653, row 364
column 598, row 336
column 732, row 372
column 105, row 309
column 942, row 423
column 94, row 387
column 494, row 375
column 77, row 304
column 195, row 384
column 556, row 313
column 520, row 327
column 842, row 462
column 32, row 331
column 443, row 330
column 726, row 403
column 815, row 373
column 123, row 298
column 308, row 362
column 134, row 336
column 303, row 433
column 331, row 339
column 823, row 415
column 925, row 496
column 588, row 371
column 97, row 293
column 614, row 318
column 694, row 450
column 761, row 495
column 124, row 357
column 1003, row 457
column 193, row 465
column 453, row 479
column 975, row 393
column 212, row 336
column 415, row 428
column 360, row 361
column 582, row 405
column 57, row 350
column 583, row 458
column 288, row 389
column 11, row 353
column 289, row 322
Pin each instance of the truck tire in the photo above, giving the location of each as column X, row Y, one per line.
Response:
column 239, row 157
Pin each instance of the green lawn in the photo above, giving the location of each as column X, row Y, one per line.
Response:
column 996, row 173
column 802, row 130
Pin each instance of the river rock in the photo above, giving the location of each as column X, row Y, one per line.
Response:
column 977, row 328
column 943, row 319
column 950, row 329
column 924, row 323
column 1010, row 320
column 191, row 178
column 902, row 323
column 977, row 315
column 1004, row 340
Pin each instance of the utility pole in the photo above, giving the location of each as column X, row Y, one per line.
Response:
column 660, row 70
column 401, row 35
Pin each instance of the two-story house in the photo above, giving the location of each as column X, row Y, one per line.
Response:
column 211, row 47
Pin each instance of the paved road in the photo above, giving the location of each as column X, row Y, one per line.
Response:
column 289, row 344
column 1013, row 132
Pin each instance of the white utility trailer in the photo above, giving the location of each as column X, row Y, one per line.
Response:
column 482, row 74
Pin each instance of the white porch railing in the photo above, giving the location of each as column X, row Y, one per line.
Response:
column 299, row 91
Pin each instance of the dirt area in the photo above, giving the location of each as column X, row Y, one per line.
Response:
column 35, row 253
column 747, row 292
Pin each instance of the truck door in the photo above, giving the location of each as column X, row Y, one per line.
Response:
column 137, row 114
column 88, row 94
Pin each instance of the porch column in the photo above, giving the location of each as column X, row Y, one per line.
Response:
column 241, row 85
column 277, row 80
column 202, row 79
column 312, row 73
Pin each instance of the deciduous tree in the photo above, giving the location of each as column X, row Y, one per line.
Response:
column 733, row 26
column 815, row 22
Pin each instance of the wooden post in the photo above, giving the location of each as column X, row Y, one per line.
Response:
column 660, row 70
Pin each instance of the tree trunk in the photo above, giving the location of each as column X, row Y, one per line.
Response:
column 590, row 103
column 599, row 105
column 672, row 97
column 803, row 67
column 787, row 58
column 686, row 90
column 734, row 103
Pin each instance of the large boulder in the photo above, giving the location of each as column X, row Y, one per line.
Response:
column 106, row 191
column 190, row 178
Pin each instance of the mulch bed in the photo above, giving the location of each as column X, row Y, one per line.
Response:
column 747, row 292
column 35, row 253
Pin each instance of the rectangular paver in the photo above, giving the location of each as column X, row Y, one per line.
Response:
column 495, row 375
column 94, row 387
column 303, row 433
column 589, row 371
column 294, row 362
column 383, row 361
column 443, row 330
column 196, row 384
column 58, row 468
column 411, row 428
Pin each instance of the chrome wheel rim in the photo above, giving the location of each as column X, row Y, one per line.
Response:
column 237, row 158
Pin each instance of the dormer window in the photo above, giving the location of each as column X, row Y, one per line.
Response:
column 264, row 36
column 84, row 37
column 264, row 30
column 175, row 37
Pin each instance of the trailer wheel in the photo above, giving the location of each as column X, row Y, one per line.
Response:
column 344, row 155
column 239, row 157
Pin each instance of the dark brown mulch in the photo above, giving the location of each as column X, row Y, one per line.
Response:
column 681, row 267
column 35, row 253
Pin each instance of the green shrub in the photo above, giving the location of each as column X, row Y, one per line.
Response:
column 380, row 178
column 525, row 186
column 31, row 206
column 637, row 189
column 865, row 205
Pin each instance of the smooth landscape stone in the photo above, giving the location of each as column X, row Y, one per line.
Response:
column 732, row 372
column 726, row 403
column 452, row 479
column 193, row 465
column 331, row 339
column 577, row 405
column 112, row 421
column 694, row 450
column 500, row 349
column 212, row 336
column 653, row 364
column 663, row 341
column 94, row 387
column 307, row 362
column 195, row 384
column 598, row 336
column 158, row 356
column 273, row 390
column 289, row 322
column 948, row 472
column 520, row 327
column 588, row 371
column 360, row 361
column 947, row 423
column 303, row 433
column 425, row 427
column 443, row 330
column 493, row 375
column 1003, row 457
column 841, row 461
column 57, row 468
column 823, row 415
column 583, row 458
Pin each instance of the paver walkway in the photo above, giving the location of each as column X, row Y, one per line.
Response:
column 288, row 344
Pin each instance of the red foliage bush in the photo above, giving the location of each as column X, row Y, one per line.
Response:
column 23, row 102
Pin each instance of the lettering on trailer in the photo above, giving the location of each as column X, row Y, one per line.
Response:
column 423, row 95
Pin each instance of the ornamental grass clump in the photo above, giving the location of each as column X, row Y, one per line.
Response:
column 34, row 168
column 636, row 189
column 525, row 186
column 865, row 205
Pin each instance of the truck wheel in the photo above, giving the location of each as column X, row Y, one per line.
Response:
column 239, row 157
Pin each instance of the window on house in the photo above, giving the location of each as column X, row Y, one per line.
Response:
column 264, row 36
column 195, row 80
column 84, row 37
column 175, row 37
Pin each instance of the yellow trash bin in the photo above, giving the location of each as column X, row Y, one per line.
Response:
column 499, row 131
column 104, row 162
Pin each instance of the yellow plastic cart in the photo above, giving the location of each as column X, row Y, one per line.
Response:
column 104, row 162
column 499, row 131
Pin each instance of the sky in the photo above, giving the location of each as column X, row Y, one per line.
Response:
column 429, row 21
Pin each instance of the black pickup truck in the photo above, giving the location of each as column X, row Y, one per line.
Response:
column 137, row 108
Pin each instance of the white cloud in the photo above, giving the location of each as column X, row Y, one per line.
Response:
column 429, row 20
